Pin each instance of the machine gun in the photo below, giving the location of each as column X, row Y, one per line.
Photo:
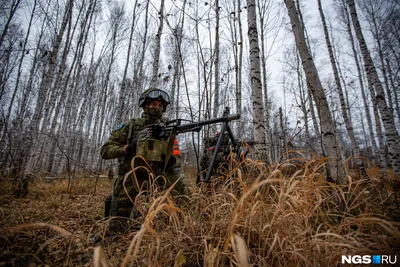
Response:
column 157, row 146
column 161, row 132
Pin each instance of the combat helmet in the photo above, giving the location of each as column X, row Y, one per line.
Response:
column 153, row 94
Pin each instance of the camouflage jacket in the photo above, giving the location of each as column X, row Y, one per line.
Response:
column 123, row 135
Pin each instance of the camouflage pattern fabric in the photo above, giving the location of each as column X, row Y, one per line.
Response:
column 121, row 205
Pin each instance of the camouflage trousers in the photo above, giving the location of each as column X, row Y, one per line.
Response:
column 122, row 206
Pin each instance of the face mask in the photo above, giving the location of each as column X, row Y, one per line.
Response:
column 155, row 113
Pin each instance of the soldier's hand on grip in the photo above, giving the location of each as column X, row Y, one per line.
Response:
column 154, row 130
column 131, row 148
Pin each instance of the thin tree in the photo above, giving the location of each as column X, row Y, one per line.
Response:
column 62, row 90
column 48, row 76
column 344, row 108
column 331, row 149
column 347, row 21
column 256, row 84
column 24, row 52
column 239, row 60
column 117, row 15
column 270, row 18
column 376, row 13
column 138, row 75
column 216, row 60
column 311, row 101
column 176, row 68
column 391, row 134
column 15, row 4
column 157, row 49
column 236, row 32
column 395, row 92
column 122, row 94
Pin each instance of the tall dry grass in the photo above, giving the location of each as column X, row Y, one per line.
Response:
column 263, row 216
column 255, row 215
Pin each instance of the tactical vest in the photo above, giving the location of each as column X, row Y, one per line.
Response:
column 153, row 150
column 135, row 126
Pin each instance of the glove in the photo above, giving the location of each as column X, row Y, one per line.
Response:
column 154, row 130
column 131, row 148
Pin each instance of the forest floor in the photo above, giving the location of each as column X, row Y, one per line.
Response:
column 278, row 219
column 51, row 225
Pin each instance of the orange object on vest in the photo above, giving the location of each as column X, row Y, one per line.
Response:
column 175, row 150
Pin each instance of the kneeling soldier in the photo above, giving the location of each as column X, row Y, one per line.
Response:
column 123, row 144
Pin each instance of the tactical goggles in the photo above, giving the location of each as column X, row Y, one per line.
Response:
column 154, row 94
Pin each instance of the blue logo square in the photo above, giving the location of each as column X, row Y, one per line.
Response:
column 376, row 259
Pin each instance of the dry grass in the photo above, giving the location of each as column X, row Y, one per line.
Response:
column 257, row 215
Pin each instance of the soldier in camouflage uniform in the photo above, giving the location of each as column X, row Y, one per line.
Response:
column 122, row 144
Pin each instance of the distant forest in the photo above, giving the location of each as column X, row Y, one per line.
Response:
column 325, row 82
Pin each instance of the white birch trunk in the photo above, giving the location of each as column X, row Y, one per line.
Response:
column 216, row 61
column 122, row 95
column 178, row 34
column 138, row 76
column 395, row 92
column 344, row 108
column 157, row 51
column 331, row 149
column 13, row 9
column 256, row 86
column 372, row 141
column 240, row 60
column 47, row 81
column 21, row 60
column 392, row 137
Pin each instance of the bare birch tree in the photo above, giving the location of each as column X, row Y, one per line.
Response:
column 239, row 45
column 157, row 46
column 331, row 149
column 270, row 17
column 316, row 124
column 48, row 76
column 138, row 75
column 376, row 13
column 23, row 53
column 343, row 105
column 15, row 5
column 371, row 137
column 236, row 34
column 256, row 84
column 391, row 134
column 216, row 60
column 122, row 94
column 391, row 50
column 177, row 60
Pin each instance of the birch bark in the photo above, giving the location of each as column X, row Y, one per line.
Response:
column 216, row 61
column 331, row 149
column 122, row 95
column 157, row 51
column 344, row 108
column 392, row 137
column 256, row 86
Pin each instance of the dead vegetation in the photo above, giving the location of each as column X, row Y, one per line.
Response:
column 257, row 215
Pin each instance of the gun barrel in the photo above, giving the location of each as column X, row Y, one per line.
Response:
column 233, row 117
column 220, row 119
column 193, row 126
column 197, row 125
